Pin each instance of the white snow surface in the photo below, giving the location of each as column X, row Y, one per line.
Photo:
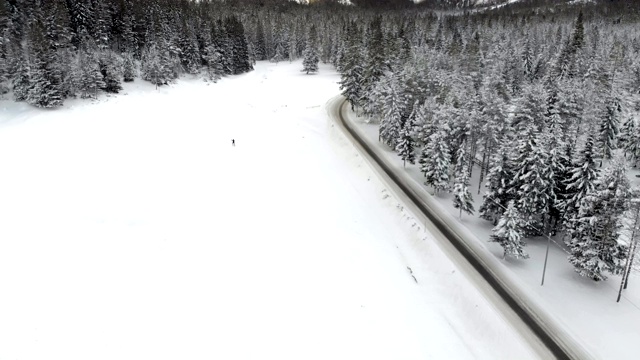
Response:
column 130, row 228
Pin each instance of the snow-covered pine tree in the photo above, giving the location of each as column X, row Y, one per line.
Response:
column 3, row 74
column 239, row 50
column 373, row 105
column 153, row 67
column 609, row 124
column 292, row 45
column 562, row 179
column 406, row 145
column 374, row 57
column 415, row 74
column 91, row 78
column 351, row 77
column 632, row 145
column 403, row 47
column 552, row 147
column 462, row 198
column 570, row 107
column 584, row 173
column 82, row 16
column 111, row 72
column 528, row 61
column 632, row 229
column 513, row 76
column 594, row 244
column 509, row 232
column 436, row 160
column 128, row 44
column 279, row 54
column 626, row 134
column 337, row 59
column 128, row 67
column 46, row 75
column 189, row 52
column 492, row 119
column 224, row 44
column 39, row 93
column 22, row 81
column 530, row 185
column 461, row 159
column 214, row 63
column 501, row 173
column 451, row 112
column 634, row 81
column 4, row 68
column 310, row 62
column 531, row 108
column 58, row 37
column 260, row 46
column 566, row 62
column 100, row 27
column 424, row 120
column 392, row 110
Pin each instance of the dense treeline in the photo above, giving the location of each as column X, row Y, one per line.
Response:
column 546, row 103
column 51, row 50
column 55, row 49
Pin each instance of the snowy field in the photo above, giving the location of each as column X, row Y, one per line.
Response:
column 130, row 228
column 585, row 309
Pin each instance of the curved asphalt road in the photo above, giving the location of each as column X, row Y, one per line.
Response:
column 555, row 343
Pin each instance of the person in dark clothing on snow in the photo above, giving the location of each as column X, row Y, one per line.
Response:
column 233, row 142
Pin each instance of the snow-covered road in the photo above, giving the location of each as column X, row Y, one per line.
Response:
column 130, row 228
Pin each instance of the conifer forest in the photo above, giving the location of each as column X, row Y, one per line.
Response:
column 540, row 99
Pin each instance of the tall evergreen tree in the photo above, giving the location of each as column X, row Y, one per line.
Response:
column 240, row 53
column 279, row 54
column 82, row 18
column 215, row 68
column 609, row 128
column 509, row 232
column 189, row 51
column 128, row 67
column 594, row 244
column 392, row 108
column 91, row 78
column 351, row 77
column 566, row 62
column 406, row 144
column 626, row 134
column 102, row 23
column 45, row 77
column 310, row 62
column 531, row 109
column 154, row 68
column 436, row 162
column 128, row 44
column 22, row 81
column 260, row 47
column 462, row 198
column 562, row 180
column 584, row 174
column 374, row 59
column 498, row 193
column 632, row 143
column 111, row 73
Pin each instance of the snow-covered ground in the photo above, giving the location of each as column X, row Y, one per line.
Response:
column 586, row 310
column 130, row 228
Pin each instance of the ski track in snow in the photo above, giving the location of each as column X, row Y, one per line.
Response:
column 130, row 228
